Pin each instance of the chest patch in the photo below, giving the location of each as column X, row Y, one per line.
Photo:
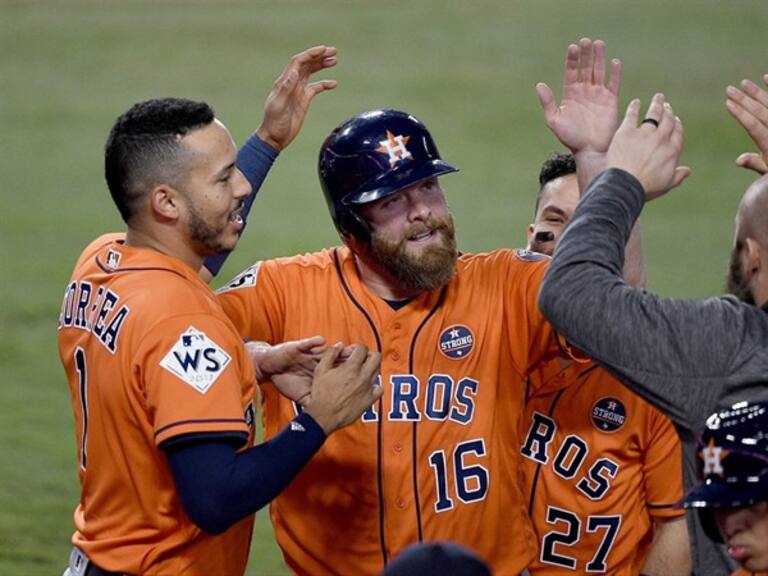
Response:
column 608, row 414
column 456, row 342
column 196, row 360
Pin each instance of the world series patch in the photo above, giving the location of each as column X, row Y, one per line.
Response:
column 456, row 342
column 608, row 414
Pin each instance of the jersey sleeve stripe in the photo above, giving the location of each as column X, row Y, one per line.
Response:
column 162, row 430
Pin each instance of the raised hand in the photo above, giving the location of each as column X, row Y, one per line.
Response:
column 651, row 150
column 291, row 94
column 749, row 105
column 587, row 117
column 342, row 391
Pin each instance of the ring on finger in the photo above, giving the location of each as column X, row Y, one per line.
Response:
column 650, row 121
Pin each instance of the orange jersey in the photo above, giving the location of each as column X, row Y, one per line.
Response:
column 437, row 458
column 600, row 464
column 149, row 356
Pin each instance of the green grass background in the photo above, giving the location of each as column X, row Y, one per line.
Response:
column 468, row 69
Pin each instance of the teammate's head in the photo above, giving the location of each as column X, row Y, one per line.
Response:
column 733, row 498
column 748, row 271
column 379, row 173
column 555, row 202
column 169, row 162
column 437, row 559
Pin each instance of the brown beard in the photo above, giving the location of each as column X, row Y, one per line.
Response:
column 432, row 269
column 735, row 282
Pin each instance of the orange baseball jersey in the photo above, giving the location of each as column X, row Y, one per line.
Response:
column 599, row 464
column 149, row 356
column 437, row 458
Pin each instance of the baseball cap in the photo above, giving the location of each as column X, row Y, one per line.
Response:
column 437, row 559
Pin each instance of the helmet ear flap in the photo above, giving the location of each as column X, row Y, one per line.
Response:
column 352, row 224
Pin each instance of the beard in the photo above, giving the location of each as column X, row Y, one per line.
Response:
column 735, row 282
column 208, row 236
column 423, row 272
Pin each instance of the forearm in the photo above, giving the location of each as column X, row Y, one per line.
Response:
column 219, row 486
column 254, row 160
column 658, row 346
column 670, row 552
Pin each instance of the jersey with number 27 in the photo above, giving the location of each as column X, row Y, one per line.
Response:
column 600, row 465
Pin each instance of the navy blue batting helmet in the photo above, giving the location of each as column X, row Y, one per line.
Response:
column 371, row 156
column 734, row 453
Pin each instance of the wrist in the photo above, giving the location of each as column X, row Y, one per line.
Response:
column 324, row 421
column 265, row 137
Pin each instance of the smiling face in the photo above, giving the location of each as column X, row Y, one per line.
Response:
column 745, row 530
column 557, row 201
column 212, row 190
column 412, row 237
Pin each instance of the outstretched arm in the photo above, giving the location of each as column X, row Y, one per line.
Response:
column 284, row 112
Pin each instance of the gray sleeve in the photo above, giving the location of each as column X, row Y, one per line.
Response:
column 685, row 356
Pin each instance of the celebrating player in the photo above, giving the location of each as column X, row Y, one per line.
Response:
column 437, row 458
column 733, row 498
column 162, row 387
column 602, row 467
column 686, row 357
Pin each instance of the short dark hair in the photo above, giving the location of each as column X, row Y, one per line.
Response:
column 556, row 166
column 143, row 149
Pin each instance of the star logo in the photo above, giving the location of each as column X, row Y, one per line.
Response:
column 611, row 405
column 712, row 456
column 454, row 333
column 395, row 148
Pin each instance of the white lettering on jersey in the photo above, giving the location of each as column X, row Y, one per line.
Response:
column 196, row 360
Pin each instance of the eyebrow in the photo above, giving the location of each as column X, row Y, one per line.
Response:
column 223, row 171
column 555, row 209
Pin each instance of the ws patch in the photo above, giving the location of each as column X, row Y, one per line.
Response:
column 245, row 279
column 196, row 360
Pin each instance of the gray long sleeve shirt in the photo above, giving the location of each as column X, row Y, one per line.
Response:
column 687, row 357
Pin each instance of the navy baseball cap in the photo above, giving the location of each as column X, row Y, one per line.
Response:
column 437, row 559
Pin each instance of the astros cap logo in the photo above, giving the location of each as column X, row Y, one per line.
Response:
column 395, row 147
column 712, row 455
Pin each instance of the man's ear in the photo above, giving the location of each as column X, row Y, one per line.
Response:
column 529, row 233
column 165, row 201
column 753, row 253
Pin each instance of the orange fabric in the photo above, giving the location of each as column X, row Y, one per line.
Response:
column 124, row 312
column 328, row 520
column 600, row 463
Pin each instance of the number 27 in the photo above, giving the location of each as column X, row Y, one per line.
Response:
column 611, row 524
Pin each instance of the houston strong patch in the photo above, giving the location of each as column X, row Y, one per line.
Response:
column 196, row 360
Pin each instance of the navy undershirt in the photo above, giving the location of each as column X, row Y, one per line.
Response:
column 219, row 486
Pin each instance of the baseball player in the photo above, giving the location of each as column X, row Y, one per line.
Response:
column 437, row 458
column 732, row 501
column 602, row 467
column 162, row 387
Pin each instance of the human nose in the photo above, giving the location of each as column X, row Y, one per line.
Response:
column 729, row 521
column 243, row 187
column 418, row 209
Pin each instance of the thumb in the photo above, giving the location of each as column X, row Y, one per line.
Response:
column 752, row 162
column 681, row 173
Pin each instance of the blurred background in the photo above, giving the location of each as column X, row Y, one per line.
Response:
column 467, row 69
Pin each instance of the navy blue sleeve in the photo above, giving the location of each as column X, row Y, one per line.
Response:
column 254, row 160
column 219, row 486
